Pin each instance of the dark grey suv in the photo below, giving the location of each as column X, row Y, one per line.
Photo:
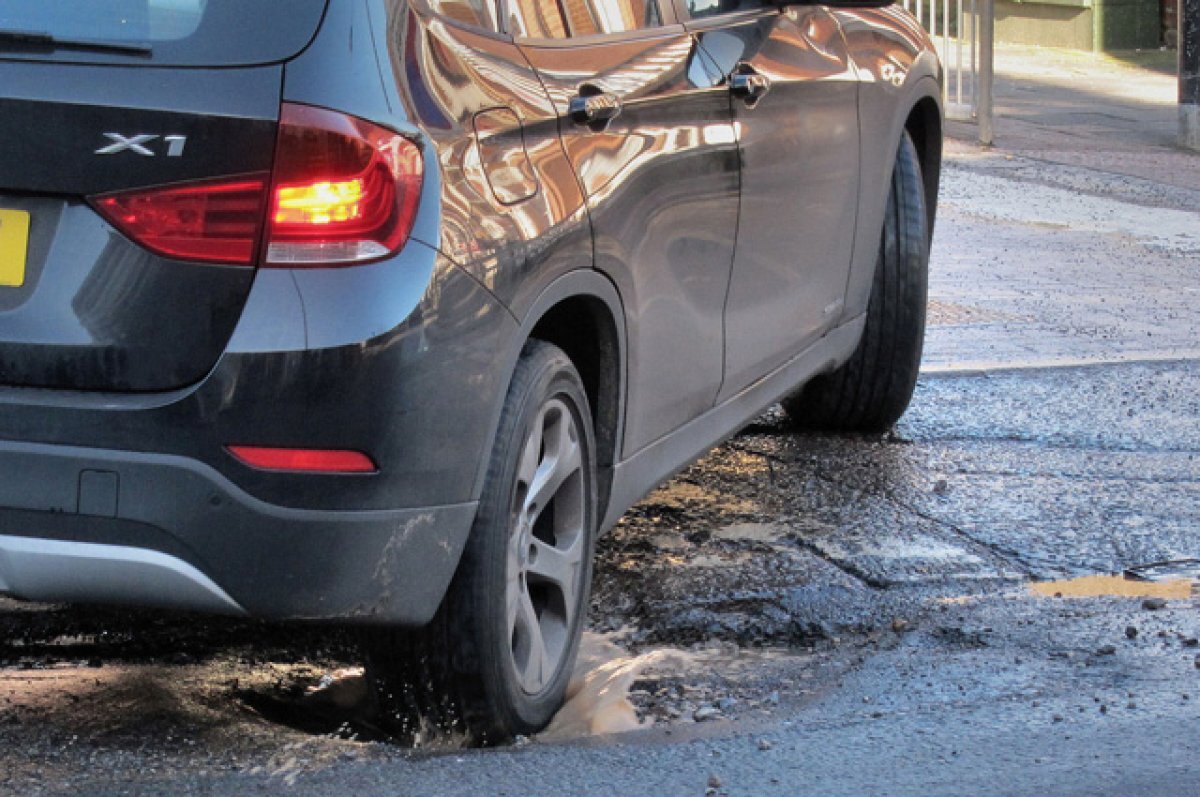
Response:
column 377, row 312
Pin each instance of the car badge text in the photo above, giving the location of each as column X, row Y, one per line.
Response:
column 138, row 144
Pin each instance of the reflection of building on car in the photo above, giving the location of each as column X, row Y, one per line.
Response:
column 385, row 335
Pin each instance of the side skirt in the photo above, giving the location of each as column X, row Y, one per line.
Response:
column 666, row 456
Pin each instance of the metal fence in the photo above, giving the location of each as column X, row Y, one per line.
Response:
column 962, row 31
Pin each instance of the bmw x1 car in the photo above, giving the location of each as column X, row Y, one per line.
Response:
column 377, row 312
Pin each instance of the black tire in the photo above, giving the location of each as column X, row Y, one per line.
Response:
column 872, row 389
column 472, row 671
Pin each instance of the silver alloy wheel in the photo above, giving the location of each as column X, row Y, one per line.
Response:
column 545, row 547
column 495, row 660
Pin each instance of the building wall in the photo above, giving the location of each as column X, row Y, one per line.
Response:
column 1099, row 25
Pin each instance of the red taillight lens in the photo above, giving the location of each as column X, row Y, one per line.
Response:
column 304, row 460
column 344, row 190
column 215, row 221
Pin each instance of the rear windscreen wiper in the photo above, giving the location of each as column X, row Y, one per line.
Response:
column 39, row 40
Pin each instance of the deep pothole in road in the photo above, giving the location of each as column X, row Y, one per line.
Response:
column 744, row 586
column 712, row 600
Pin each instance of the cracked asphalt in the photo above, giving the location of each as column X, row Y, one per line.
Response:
column 795, row 613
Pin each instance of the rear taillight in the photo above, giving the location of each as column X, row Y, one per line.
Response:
column 216, row 221
column 342, row 191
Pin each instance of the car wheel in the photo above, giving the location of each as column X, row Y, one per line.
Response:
column 496, row 659
column 871, row 390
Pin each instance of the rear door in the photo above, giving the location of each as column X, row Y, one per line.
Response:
column 794, row 97
column 648, row 131
column 104, row 106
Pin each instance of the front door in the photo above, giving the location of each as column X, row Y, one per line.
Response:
column 794, row 98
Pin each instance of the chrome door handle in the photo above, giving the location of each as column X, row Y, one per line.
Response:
column 593, row 107
column 748, row 85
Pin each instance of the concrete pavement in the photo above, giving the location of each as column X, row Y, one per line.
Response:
column 1076, row 238
column 1117, row 114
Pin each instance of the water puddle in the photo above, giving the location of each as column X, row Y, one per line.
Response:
column 598, row 696
column 610, row 692
column 614, row 691
column 731, row 559
column 768, row 533
column 1116, row 586
column 345, row 688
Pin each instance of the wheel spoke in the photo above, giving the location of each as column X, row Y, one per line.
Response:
column 532, row 452
column 562, row 458
column 558, row 566
column 545, row 667
column 533, row 671
column 512, row 601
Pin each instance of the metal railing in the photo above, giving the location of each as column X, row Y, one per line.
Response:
column 962, row 31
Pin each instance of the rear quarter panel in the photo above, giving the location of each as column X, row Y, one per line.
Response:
column 478, row 101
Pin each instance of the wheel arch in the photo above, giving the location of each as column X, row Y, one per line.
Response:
column 924, row 126
column 917, row 110
column 581, row 313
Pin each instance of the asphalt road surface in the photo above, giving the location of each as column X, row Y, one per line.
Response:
column 907, row 614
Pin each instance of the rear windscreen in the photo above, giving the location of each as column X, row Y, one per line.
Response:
column 161, row 32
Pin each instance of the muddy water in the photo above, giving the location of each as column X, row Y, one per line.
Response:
column 597, row 703
column 598, row 696
column 614, row 691
column 1118, row 586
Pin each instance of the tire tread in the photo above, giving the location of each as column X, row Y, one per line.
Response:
column 872, row 389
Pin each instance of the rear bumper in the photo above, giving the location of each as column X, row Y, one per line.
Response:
column 396, row 359
column 103, row 526
column 134, row 499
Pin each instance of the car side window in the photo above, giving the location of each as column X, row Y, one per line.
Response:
column 698, row 9
column 476, row 13
column 560, row 19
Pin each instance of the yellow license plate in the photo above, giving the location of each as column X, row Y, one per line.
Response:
column 14, row 239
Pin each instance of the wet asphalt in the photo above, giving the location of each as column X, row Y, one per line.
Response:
column 920, row 662
column 847, row 614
